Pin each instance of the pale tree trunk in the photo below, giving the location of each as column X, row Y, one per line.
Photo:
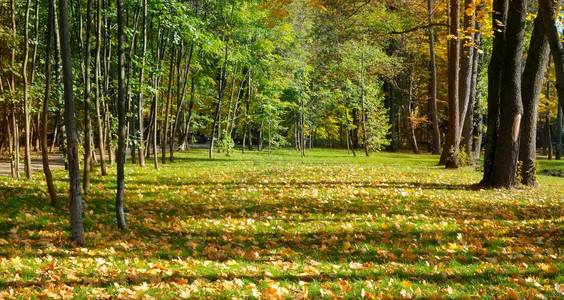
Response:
column 27, row 137
column 45, row 111
column 532, row 83
column 406, row 112
column 504, row 171
column 87, row 121
column 164, row 127
column 140, row 96
column 466, row 60
column 77, row 229
column 120, row 217
column 499, row 20
column 558, row 154
column 433, row 114
column 98, row 74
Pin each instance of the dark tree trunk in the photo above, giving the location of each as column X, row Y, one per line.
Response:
column 504, row 171
column 164, row 127
column 120, row 217
column 532, row 84
column 453, row 136
column 77, row 229
column 494, row 85
column 45, row 112
column 548, row 9
column 466, row 62
column 140, row 96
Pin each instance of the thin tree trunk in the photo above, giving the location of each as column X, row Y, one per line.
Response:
column 164, row 127
column 98, row 73
column 121, row 120
column 27, row 138
column 466, row 62
column 140, row 96
column 558, row 154
column 77, row 229
column 45, row 111
column 87, row 121
column 433, row 114
column 180, row 103
column 548, row 9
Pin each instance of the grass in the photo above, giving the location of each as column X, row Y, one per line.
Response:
column 393, row 225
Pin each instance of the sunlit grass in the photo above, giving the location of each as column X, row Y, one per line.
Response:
column 252, row 226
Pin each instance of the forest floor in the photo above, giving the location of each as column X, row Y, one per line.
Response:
column 253, row 226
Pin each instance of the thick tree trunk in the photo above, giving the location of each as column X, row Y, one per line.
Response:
column 499, row 19
column 45, row 111
column 532, row 84
column 120, row 217
column 77, row 229
column 504, row 171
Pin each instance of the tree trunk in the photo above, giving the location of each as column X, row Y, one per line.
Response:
column 532, row 84
column 548, row 137
column 433, row 114
column 504, row 171
column 45, row 111
column 87, row 121
column 453, row 136
column 466, row 61
column 180, row 103
column 140, row 96
column 548, row 9
column 164, row 127
column 558, row 154
column 98, row 73
column 408, row 127
column 77, row 228
column 499, row 19
column 121, row 120
column 27, row 137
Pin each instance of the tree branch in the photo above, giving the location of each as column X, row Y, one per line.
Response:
column 420, row 27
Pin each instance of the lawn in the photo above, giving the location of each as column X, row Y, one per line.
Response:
column 253, row 226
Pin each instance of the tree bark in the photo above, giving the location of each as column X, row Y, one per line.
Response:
column 87, row 121
column 45, row 111
column 98, row 95
column 453, row 136
column 433, row 114
column 532, row 83
column 504, row 171
column 548, row 9
column 27, row 137
column 120, row 217
column 499, row 19
column 77, row 229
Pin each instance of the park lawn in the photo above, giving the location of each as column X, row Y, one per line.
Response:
column 393, row 225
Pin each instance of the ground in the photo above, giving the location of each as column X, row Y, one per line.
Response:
column 254, row 226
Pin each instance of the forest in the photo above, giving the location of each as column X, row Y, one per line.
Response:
column 281, row 149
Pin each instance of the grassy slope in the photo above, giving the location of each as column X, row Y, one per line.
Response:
column 391, row 225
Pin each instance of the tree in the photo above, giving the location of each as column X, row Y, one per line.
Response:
column 77, row 229
column 504, row 169
column 120, row 217
column 46, row 100
column 453, row 137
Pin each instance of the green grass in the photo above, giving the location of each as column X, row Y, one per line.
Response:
column 254, row 226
